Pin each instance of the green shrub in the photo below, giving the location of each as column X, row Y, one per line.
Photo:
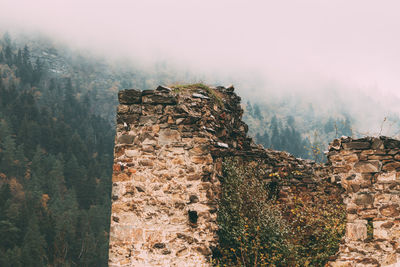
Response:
column 252, row 231
column 318, row 226
column 256, row 229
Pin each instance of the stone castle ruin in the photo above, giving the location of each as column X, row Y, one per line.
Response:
column 169, row 148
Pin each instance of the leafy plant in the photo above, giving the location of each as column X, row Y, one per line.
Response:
column 318, row 224
column 256, row 228
column 252, row 231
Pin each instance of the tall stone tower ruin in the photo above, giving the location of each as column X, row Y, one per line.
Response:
column 164, row 189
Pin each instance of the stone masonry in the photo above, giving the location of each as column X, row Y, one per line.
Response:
column 169, row 148
column 164, row 192
column 369, row 171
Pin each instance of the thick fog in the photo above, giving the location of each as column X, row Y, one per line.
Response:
column 323, row 50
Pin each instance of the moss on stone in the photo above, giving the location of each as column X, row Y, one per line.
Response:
column 212, row 93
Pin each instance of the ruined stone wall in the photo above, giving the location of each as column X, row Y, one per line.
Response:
column 169, row 147
column 369, row 171
column 164, row 192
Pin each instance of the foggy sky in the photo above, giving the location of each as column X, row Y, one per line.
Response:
column 291, row 44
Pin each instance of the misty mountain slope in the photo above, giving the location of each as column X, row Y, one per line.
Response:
column 316, row 116
column 296, row 129
column 304, row 122
column 91, row 74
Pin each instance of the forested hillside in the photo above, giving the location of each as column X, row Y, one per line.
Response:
column 55, row 166
column 295, row 127
column 291, row 124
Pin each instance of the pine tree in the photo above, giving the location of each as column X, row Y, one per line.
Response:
column 37, row 71
column 56, row 180
column 11, row 257
column 8, row 154
column 66, row 226
column 34, row 246
column 275, row 135
column 9, row 234
column 249, row 108
column 257, row 112
column 8, row 56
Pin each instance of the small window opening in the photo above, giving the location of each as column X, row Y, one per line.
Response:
column 193, row 216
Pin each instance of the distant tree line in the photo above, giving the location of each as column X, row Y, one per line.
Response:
column 285, row 135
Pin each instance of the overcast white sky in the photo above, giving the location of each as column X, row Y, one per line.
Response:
column 293, row 42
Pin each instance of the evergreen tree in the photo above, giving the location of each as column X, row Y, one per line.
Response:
column 9, row 234
column 249, row 108
column 11, row 257
column 8, row 153
column 37, row 71
column 54, row 193
column 257, row 112
column 275, row 135
column 34, row 246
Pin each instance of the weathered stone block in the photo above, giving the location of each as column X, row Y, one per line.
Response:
column 356, row 145
column 391, row 260
column 121, row 233
column 350, row 158
column 386, row 177
column 122, row 177
column 335, row 145
column 127, row 118
column 368, row 166
column 153, row 237
column 379, row 231
column 120, row 207
column 155, row 99
column 146, row 162
column 137, row 235
column 132, row 153
column 202, row 159
column 168, row 136
column 391, row 210
column 379, row 157
column 199, row 150
column 125, row 139
column 130, row 96
column 387, row 225
column 357, row 230
column 364, row 199
column 391, row 166
column 377, row 144
column 121, row 109
column 391, row 143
